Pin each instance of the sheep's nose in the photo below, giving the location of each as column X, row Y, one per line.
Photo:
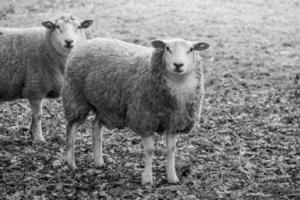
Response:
column 178, row 65
column 69, row 41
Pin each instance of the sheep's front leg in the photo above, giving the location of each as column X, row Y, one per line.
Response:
column 97, row 143
column 148, row 144
column 36, row 121
column 171, row 140
column 70, row 144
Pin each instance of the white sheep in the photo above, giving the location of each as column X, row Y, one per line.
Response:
column 127, row 85
column 33, row 59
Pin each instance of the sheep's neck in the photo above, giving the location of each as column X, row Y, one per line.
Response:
column 182, row 89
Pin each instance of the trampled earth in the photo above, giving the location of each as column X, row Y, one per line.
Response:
column 248, row 143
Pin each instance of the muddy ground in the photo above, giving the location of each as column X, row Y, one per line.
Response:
column 248, row 144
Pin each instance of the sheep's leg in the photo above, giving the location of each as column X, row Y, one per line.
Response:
column 148, row 144
column 171, row 140
column 70, row 144
column 97, row 143
column 36, row 122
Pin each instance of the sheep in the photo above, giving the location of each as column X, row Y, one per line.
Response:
column 32, row 62
column 126, row 85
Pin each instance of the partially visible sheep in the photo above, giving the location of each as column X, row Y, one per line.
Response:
column 127, row 85
column 32, row 62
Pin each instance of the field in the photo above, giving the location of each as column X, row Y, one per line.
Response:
column 248, row 143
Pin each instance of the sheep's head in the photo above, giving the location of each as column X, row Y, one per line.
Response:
column 66, row 32
column 179, row 55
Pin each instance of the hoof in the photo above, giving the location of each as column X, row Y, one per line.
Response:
column 39, row 139
column 173, row 179
column 72, row 167
column 99, row 163
column 70, row 163
column 147, row 180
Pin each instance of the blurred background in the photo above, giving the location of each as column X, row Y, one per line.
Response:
column 248, row 143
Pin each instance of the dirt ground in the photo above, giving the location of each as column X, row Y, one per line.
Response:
column 248, row 145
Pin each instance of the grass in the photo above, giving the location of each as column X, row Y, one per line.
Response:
column 248, row 144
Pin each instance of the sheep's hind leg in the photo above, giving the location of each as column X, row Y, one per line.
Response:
column 36, row 122
column 70, row 144
column 97, row 143
column 171, row 140
column 148, row 144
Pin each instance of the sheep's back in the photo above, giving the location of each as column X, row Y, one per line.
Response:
column 19, row 52
column 107, row 72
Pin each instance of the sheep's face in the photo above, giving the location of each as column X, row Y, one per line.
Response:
column 67, row 32
column 179, row 55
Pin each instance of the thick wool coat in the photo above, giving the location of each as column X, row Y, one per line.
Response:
column 126, row 86
column 29, row 65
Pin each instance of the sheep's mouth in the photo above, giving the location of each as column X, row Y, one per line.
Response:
column 178, row 70
column 69, row 46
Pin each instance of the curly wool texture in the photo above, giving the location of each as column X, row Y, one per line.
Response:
column 126, row 86
column 29, row 65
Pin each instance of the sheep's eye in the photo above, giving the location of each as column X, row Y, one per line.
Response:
column 57, row 27
column 191, row 50
column 168, row 49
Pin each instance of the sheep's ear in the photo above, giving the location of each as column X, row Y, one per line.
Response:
column 158, row 44
column 86, row 23
column 200, row 46
column 48, row 24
